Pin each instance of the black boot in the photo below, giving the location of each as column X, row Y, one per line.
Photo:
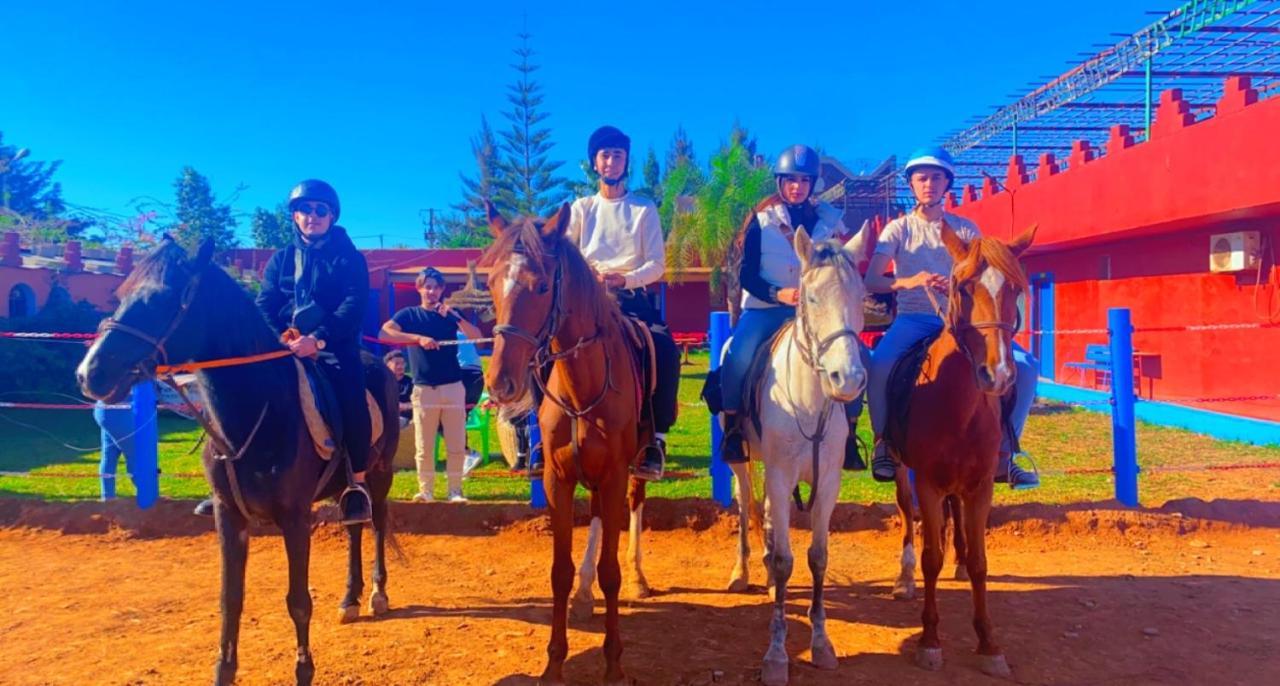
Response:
column 204, row 508
column 1012, row 473
column 652, row 461
column 355, row 505
column 883, row 467
column 733, row 444
column 853, row 452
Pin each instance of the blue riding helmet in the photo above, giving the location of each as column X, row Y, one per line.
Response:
column 931, row 156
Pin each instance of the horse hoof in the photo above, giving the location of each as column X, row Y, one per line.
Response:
column 995, row 665
column 224, row 674
column 378, row 604
column 348, row 614
column 824, row 656
column 929, row 658
column 638, row 590
column 962, row 573
column 581, row 608
column 738, row 585
column 774, row 673
column 304, row 673
column 902, row 591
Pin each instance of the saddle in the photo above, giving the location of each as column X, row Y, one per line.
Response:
column 644, row 355
column 902, row 383
column 756, row 375
column 322, row 413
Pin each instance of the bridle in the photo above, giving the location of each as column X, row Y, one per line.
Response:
column 954, row 323
column 158, row 356
column 811, row 354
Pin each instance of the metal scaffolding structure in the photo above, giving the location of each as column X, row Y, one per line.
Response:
column 1195, row 48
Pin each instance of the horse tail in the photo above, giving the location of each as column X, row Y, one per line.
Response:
column 394, row 543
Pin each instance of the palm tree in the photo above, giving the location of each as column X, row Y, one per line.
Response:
column 706, row 231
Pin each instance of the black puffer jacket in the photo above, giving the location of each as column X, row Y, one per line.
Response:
column 334, row 276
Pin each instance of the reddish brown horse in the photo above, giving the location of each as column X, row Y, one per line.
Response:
column 954, row 423
column 558, row 329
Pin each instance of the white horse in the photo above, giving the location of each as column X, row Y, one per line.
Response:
column 815, row 368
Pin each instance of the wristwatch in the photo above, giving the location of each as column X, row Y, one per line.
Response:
column 773, row 293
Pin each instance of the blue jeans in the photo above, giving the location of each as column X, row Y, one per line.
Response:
column 755, row 327
column 117, row 441
column 909, row 329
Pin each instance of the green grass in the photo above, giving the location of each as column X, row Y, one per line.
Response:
column 1061, row 440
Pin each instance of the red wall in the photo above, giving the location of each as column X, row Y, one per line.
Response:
column 1149, row 210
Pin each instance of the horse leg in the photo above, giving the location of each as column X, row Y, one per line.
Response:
column 929, row 652
column 614, row 509
column 297, row 545
column 233, row 535
column 740, row 579
column 778, row 557
column 349, row 608
column 583, row 602
column 904, row 588
column 560, row 506
column 821, row 651
column 957, row 516
column 378, row 603
column 977, row 507
column 637, row 586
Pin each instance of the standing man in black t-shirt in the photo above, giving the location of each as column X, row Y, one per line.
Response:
column 439, row 398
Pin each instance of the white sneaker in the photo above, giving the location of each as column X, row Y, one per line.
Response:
column 457, row 498
column 469, row 463
column 424, row 498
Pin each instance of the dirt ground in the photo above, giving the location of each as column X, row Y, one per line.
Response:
column 1088, row 594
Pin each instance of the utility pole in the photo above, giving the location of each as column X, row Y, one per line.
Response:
column 429, row 234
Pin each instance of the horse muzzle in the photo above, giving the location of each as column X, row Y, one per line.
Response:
column 845, row 385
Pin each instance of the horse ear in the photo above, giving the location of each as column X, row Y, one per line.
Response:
column 497, row 224
column 955, row 244
column 556, row 224
column 804, row 247
column 205, row 254
column 1020, row 244
column 860, row 246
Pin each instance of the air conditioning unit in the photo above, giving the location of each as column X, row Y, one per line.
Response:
column 1235, row 251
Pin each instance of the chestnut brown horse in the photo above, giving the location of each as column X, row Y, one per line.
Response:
column 559, row 330
column 954, row 422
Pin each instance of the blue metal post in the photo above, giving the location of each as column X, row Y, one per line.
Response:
column 1123, row 437
column 537, row 494
column 721, row 475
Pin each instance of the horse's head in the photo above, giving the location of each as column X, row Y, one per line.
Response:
column 830, row 315
column 525, row 280
column 150, row 327
column 986, row 280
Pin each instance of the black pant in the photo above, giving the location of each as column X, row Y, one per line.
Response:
column 473, row 384
column 665, row 398
column 345, row 371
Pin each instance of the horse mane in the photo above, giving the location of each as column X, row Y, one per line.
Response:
column 998, row 255
column 155, row 271
column 524, row 236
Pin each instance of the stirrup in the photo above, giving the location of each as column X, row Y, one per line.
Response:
column 357, row 488
column 1015, row 468
column 882, row 457
column 643, row 470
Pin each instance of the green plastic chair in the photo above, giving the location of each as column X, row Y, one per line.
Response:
column 477, row 420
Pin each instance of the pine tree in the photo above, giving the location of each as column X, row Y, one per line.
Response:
column 652, row 177
column 470, row 227
column 528, row 184
column 680, row 151
column 272, row 229
column 199, row 216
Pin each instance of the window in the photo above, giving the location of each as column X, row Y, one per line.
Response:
column 22, row 301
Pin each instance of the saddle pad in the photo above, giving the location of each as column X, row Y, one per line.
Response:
column 321, row 436
column 902, row 381
column 646, row 353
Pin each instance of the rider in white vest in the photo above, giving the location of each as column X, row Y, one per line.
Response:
column 770, row 279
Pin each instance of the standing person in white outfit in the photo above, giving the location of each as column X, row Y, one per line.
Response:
column 438, row 394
column 620, row 235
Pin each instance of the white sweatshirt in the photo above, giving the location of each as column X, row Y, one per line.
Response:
column 620, row 236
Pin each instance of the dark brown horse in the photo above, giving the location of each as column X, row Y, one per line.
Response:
column 555, row 319
column 954, row 423
column 260, row 460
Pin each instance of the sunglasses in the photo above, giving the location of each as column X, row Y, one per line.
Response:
column 318, row 209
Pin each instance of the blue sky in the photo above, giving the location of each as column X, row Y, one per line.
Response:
column 380, row 98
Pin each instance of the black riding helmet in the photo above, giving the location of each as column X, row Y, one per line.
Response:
column 798, row 159
column 608, row 137
column 315, row 190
